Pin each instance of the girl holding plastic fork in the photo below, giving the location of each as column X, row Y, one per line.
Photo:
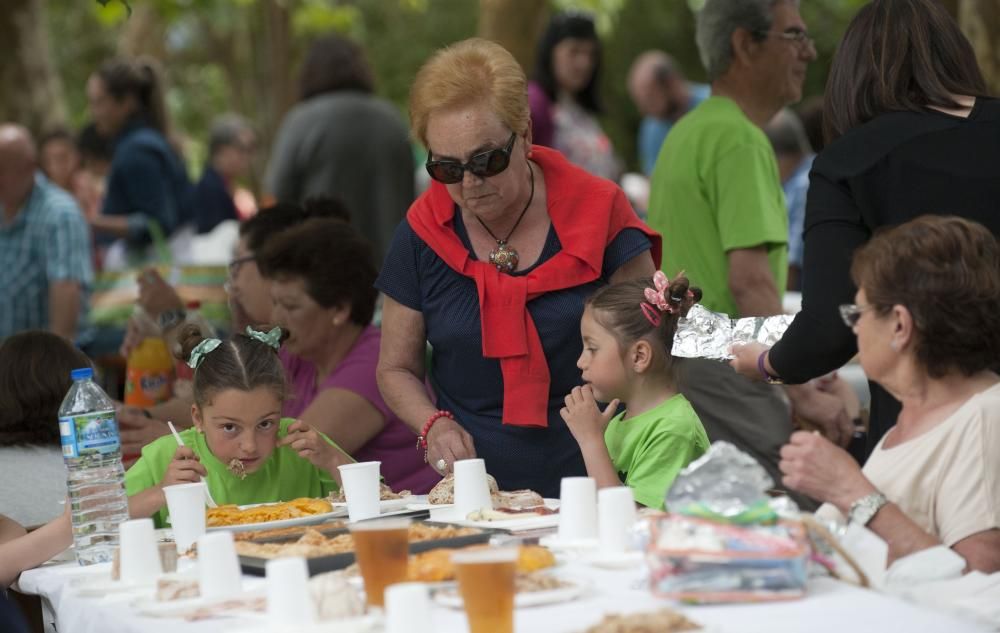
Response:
column 239, row 443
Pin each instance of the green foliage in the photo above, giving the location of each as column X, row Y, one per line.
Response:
column 214, row 49
column 123, row 3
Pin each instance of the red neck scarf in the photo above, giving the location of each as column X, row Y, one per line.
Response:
column 587, row 213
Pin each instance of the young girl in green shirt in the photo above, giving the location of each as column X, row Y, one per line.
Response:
column 239, row 443
column 628, row 332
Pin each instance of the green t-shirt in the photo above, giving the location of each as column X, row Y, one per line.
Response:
column 716, row 188
column 283, row 477
column 650, row 449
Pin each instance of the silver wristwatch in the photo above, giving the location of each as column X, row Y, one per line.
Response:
column 864, row 509
column 169, row 319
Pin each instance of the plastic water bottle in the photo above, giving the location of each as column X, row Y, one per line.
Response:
column 95, row 477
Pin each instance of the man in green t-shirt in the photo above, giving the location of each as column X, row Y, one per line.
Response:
column 716, row 198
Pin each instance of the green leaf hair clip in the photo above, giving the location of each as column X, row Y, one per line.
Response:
column 201, row 350
column 272, row 338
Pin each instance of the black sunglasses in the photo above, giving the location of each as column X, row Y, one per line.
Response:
column 484, row 165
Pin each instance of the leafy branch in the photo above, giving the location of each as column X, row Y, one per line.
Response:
column 128, row 7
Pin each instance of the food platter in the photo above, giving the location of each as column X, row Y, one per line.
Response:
column 256, row 565
column 269, row 525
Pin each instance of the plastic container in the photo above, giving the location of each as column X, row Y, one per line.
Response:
column 701, row 561
column 149, row 374
column 95, row 476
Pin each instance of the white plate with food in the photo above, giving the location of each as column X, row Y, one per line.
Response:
column 503, row 518
column 533, row 590
column 275, row 515
column 387, row 505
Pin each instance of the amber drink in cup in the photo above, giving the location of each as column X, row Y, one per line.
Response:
column 382, row 550
column 486, row 582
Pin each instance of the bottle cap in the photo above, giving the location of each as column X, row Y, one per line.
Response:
column 84, row 373
column 194, row 304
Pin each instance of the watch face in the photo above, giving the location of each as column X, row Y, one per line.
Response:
column 170, row 318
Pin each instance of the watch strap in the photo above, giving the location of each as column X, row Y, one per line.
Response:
column 864, row 509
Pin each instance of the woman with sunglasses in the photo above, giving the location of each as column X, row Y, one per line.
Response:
column 909, row 132
column 925, row 321
column 491, row 267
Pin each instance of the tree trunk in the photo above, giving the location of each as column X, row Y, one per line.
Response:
column 32, row 93
column 273, row 55
column 515, row 24
column 144, row 33
column 980, row 20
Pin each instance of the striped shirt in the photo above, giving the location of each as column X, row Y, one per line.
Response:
column 47, row 241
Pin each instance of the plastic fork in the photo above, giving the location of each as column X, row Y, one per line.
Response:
column 209, row 501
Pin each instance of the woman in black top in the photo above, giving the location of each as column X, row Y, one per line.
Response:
column 911, row 134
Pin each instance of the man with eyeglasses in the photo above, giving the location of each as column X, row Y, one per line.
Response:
column 716, row 198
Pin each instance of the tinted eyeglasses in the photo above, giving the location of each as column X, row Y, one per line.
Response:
column 237, row 263
column 484, row 165
column 800, row 38
column 851, row 313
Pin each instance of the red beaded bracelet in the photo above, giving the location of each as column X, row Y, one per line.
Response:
column 422, row 438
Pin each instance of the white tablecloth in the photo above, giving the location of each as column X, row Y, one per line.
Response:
column 830, row 607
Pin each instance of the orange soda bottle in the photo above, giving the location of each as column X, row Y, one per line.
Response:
column 149, row 374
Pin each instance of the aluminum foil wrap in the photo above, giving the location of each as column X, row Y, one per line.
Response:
column 724, row 481
column 706, row 334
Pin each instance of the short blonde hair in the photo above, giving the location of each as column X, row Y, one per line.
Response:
column 470, row 71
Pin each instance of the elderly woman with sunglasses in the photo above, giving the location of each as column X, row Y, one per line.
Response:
column 925, row 322
column 491, row 267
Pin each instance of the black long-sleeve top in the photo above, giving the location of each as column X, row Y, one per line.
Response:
column 892, row 169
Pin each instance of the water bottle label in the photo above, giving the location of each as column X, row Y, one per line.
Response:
column 89, row 434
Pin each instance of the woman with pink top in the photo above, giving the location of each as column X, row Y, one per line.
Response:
column 322, row 276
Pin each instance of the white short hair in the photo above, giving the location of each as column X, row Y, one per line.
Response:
column 716, row 22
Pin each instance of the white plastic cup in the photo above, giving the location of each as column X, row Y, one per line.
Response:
column 289, row 602
column 577, row 509
column 219, row 575
column 140, row 555
column 615, row 519
column 186, row 504
column 361, row 487
column 472, row 492
column 407, row 608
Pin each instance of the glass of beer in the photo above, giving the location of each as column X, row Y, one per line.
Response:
column 382, row 550
column 486, row 582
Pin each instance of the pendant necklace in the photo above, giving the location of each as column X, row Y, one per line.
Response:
column 503, row 256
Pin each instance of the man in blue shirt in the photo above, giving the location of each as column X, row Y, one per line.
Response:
column 662, row 95
column 45, row 265
column 795, row 159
